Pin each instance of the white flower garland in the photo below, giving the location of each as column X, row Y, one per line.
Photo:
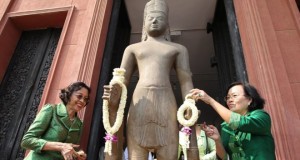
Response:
column 118, row 78
column 188, row 103
column 184, row 142
column 184, row 136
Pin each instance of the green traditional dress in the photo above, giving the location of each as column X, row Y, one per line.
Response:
column 249, row 137
column 51, row 124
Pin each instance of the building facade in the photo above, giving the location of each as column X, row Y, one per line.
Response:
column 78, row 38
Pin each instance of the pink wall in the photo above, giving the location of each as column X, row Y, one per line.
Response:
column 8, row 40
column 272, row 52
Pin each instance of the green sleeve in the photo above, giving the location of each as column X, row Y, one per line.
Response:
column 32, row 139
column 258, row 122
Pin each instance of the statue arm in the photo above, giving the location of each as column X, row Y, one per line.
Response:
column 183, row 71
column 113, row 94
column 128, row 63
column 184, row 74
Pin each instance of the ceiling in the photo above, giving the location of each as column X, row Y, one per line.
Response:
column 187, row 21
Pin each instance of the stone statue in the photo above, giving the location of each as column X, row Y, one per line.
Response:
column 152, row 123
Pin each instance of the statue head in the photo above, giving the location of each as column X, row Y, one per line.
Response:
column 160, row 7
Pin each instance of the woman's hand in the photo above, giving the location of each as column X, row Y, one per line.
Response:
column 211, row 131
column 68, row 152
column 200, row 94
column 81, row 155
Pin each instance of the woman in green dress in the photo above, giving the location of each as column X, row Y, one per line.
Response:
column 246, row 131
column 56, row 131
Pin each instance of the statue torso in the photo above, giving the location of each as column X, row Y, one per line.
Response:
column 155, row 60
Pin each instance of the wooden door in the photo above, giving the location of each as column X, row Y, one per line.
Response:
column 22, row 87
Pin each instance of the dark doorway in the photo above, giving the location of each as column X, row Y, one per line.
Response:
column 229, row 57
column 117, row 40
column 22, row 87
column 298, row 4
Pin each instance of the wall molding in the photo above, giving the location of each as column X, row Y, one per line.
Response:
column 261, row 70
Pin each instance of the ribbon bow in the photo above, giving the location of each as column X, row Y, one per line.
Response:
column 186, row 130
column 111, row 137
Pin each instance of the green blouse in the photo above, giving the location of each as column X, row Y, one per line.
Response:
column 249, row 137
column 206, row 147
column 204, row 144
column 51, row 124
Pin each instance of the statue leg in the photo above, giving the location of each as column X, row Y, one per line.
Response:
column 135, row 151
column 169, row 152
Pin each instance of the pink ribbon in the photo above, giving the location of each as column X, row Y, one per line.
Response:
column 186, row 130
column 110, row 137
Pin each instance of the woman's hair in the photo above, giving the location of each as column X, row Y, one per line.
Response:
column 65, row 94
column 251, row 92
